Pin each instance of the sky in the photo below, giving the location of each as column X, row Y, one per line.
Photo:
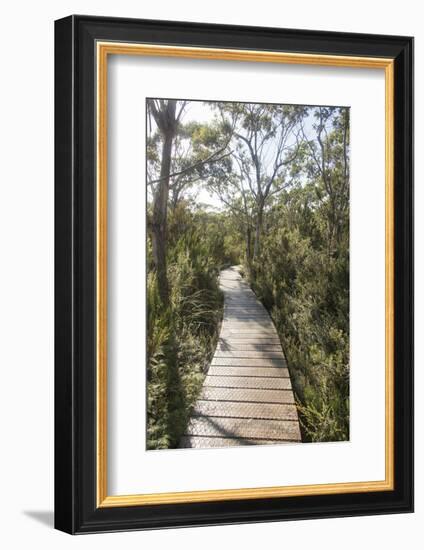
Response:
column 201, row 111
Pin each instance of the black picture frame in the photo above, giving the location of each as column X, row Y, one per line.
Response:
column 76, row 510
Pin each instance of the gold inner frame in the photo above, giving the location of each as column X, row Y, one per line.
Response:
column 104, row 49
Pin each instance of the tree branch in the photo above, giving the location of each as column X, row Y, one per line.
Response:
column 197, row 164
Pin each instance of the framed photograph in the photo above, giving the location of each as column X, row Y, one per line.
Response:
column 234, row 274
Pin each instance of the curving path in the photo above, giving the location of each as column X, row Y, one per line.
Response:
column 247, row 398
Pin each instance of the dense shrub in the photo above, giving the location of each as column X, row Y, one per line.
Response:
column 305, row 287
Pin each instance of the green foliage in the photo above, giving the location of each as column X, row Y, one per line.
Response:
column 302, row 277
column 307, row 296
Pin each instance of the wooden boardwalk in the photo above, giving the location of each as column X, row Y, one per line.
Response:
column 247, row 397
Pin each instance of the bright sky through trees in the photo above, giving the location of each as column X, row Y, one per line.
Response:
column 203, row 112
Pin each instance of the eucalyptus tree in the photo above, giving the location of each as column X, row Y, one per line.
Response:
column 166, row 114
column 266, row 142
column 230, row 188
column 178, row 155
column 326, row 162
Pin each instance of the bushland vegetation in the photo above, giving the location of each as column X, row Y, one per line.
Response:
column 267, row 187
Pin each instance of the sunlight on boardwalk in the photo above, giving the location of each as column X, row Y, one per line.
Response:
column 247, row 398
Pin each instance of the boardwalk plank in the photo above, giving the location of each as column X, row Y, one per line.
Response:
column 247, row 382
column 269, row 337
column 249, row 354
column 249, row 361
column 247, row 394
column 250, row 334
column 249, row 326
column 224, row 346
column 258, row 372
column 244, row 428
column 200, row 442
column 238, row 409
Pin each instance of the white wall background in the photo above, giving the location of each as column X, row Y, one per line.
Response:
column 26, row 272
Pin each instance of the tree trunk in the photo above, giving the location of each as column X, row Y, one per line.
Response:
column 258, row 231
column 249, row 247
column 159, row 219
